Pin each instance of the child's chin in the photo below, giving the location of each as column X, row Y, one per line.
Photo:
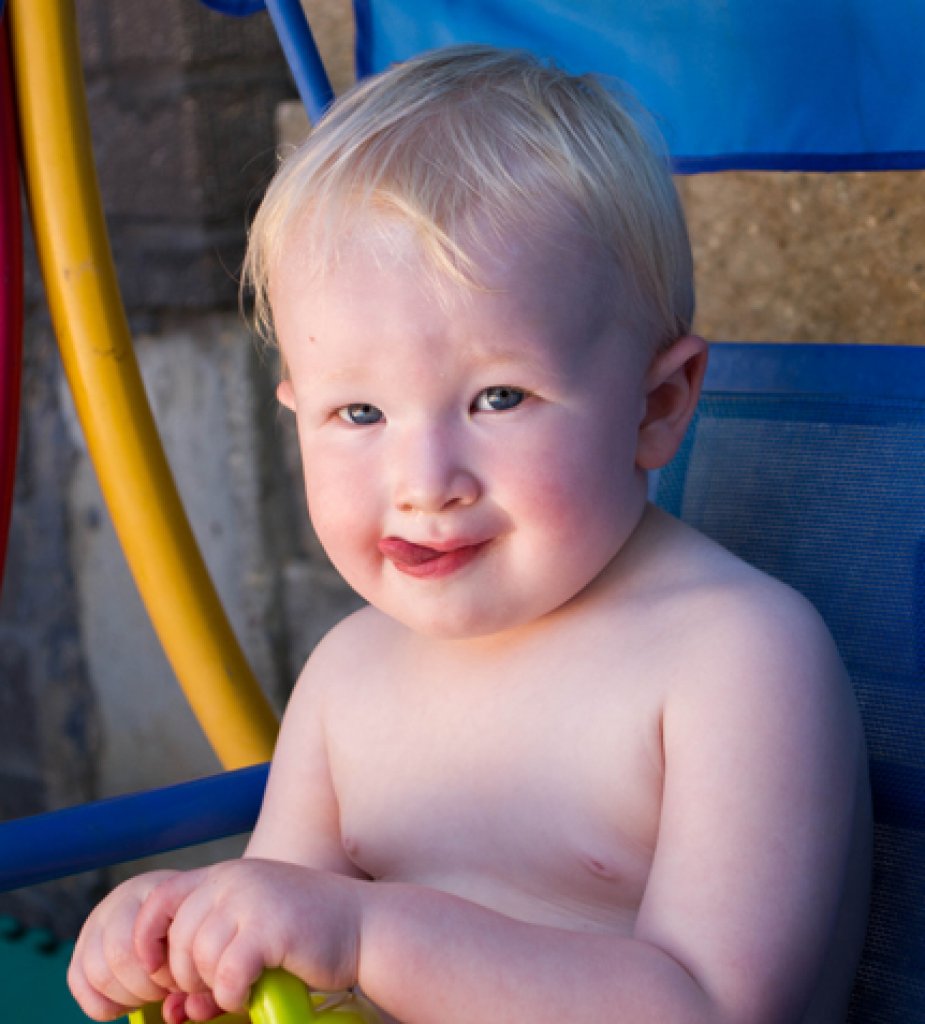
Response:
column 463, row 625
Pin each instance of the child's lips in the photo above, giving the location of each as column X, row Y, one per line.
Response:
column 429, row 560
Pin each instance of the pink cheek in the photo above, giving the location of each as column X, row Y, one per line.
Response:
column 337, row 512
column 562, row 494
column 546, row 493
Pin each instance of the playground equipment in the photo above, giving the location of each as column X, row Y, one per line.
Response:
column 103, row 374
column 826, row 487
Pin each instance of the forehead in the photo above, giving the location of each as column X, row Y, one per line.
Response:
column 542, row 271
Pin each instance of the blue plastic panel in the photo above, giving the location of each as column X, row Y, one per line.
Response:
column 790, row 84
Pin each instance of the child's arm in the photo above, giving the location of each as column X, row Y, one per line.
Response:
column 762, row 764
column 111, row 972
column 299, row 818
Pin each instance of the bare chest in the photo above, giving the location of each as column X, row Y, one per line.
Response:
column 541, row 801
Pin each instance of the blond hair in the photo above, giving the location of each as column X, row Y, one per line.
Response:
column 464, row 137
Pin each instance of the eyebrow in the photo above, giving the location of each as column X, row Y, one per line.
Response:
column 552, row 364
column 342, row 374
column 494, row 350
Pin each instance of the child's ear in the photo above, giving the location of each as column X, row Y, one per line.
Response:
column 673, row 386
column 285, row 394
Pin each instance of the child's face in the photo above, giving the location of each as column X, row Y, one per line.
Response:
column 469, row 454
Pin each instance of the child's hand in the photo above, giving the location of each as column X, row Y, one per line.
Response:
column 215, row 930
column 105, row 976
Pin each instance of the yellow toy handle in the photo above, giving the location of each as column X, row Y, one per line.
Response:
column 279, row 998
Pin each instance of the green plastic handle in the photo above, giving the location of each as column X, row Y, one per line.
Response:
column 280, row 998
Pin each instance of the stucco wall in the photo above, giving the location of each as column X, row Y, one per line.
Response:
column 809, row 257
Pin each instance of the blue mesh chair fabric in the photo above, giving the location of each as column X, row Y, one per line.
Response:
column 809, row 462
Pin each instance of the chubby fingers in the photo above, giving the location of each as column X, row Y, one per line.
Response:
column 96, row 1000
column 173, row 1009
column 198, row 938
column 236, row 971
column 156, row 915
column 106, row 978
column 210, row 951
column 178, row 1008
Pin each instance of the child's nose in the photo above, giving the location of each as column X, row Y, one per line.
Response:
column 433, row 477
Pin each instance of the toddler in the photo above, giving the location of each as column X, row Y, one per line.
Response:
column 574, row 761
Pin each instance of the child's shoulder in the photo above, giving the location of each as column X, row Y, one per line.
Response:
column 739, row 633
column 685, row 572
column 353, row 652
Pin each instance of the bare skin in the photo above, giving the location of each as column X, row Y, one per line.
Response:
column 565, row 821
column 644, row 799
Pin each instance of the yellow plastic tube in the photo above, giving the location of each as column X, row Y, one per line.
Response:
column 103, row 374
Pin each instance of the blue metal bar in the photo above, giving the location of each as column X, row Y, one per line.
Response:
column 123, row 828
column 851, row 371
column 298, row 45
column 235, row 8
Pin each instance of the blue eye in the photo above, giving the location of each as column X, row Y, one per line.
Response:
column 361, row 414
column 498, row 399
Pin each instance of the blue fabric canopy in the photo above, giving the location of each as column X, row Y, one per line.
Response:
column 734, row 84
